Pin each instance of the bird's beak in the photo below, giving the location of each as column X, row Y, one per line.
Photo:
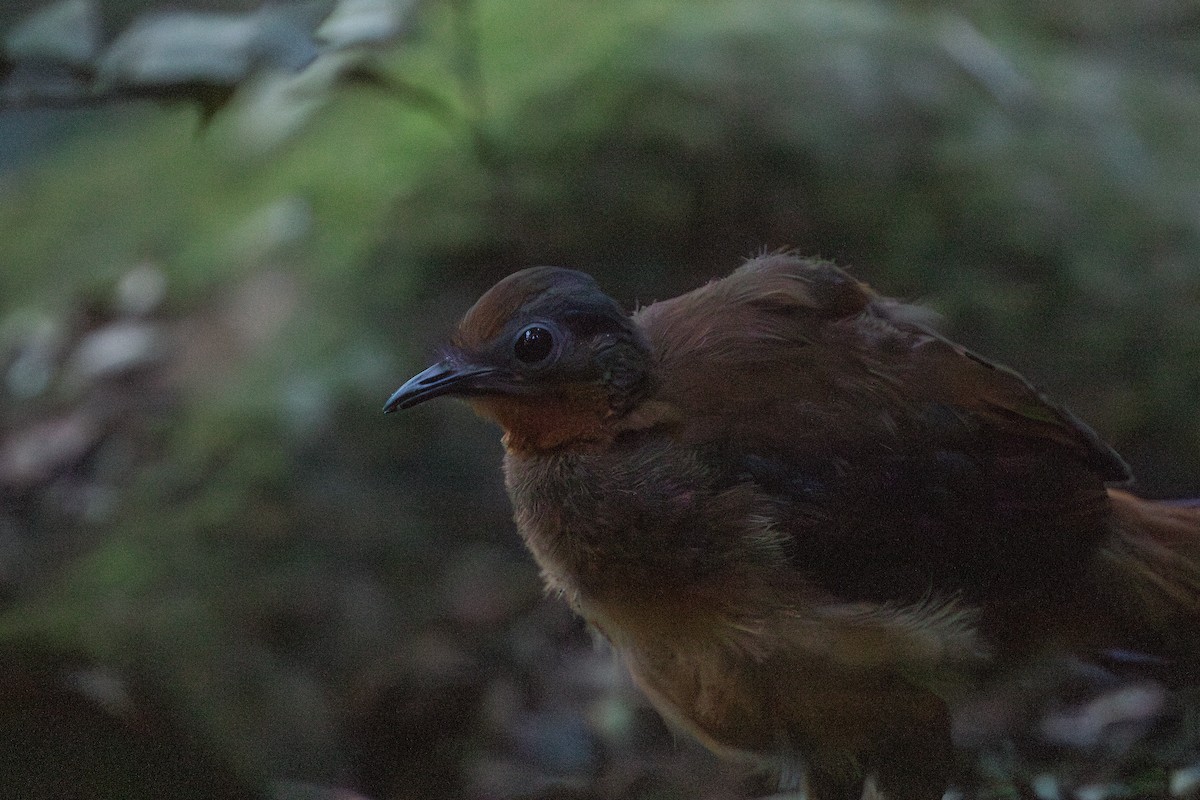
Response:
column 444, row 377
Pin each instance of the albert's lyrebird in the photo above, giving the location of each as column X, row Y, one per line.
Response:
column 806, row 522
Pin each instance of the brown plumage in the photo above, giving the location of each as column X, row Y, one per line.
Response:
column 808, row 524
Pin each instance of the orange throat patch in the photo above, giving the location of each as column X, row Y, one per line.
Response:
column 540, row 423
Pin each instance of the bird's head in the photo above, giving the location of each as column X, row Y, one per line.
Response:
column 547, row 355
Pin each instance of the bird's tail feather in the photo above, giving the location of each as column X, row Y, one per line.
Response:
column 1155, row 558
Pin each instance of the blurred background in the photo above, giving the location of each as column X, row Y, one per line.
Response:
column 229, row 231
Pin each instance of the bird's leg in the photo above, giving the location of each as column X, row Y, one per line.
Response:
column 824, row 784
column 915, row 763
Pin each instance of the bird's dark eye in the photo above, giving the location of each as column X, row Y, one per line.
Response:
column 533, row 344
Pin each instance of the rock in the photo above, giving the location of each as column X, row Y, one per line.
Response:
column 32, row 455
column 141, row 290
column 116, row 349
